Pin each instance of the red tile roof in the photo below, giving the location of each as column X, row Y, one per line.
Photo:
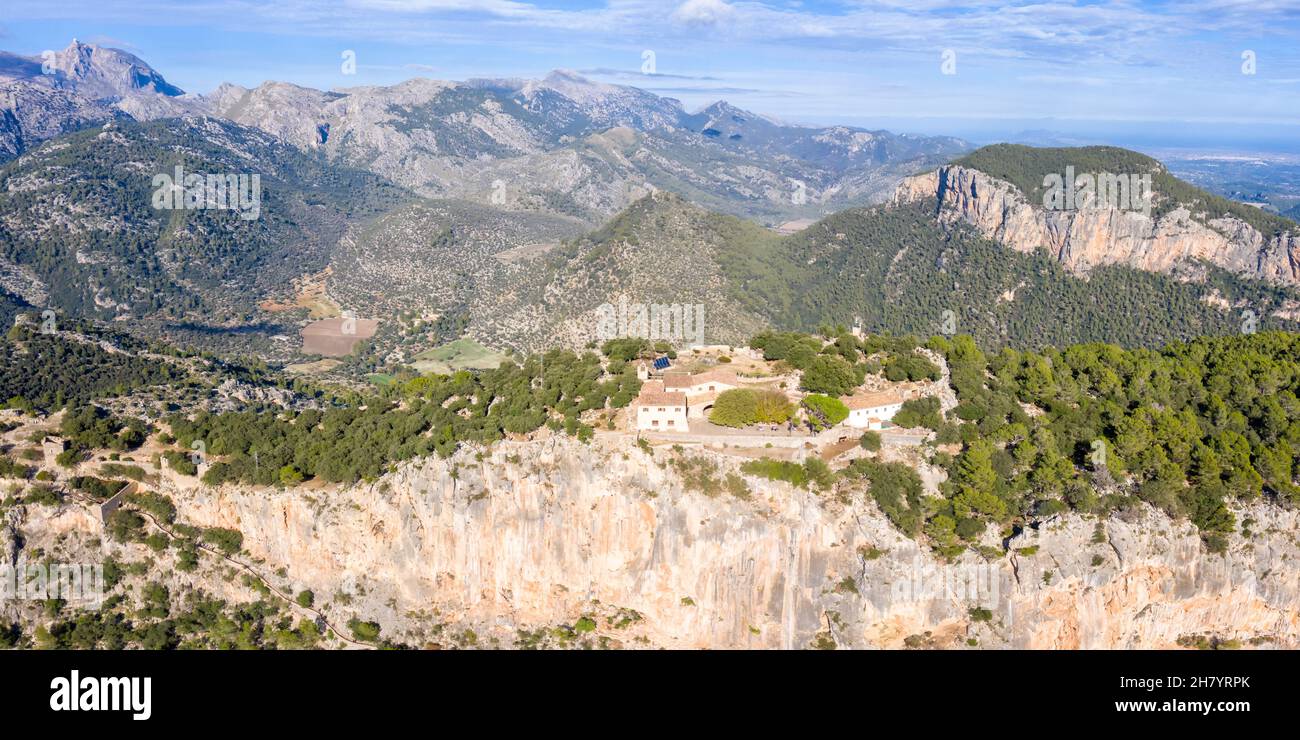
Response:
column 872, row 400
column 682, row 380
column 653, row 394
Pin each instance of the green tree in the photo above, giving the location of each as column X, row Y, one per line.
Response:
column 829, row 374
column 823, row 411
column 290, row 475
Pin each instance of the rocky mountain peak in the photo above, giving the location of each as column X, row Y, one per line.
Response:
column 101, row 72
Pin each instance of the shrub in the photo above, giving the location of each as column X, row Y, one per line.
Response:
column 737, row 486
column 228, row 541
column 363, row 631
column 819, row 473
column 133, row 472
column 870, row 441
column 624, row 348
column 125, row 525
column 97, row 488
column 181, row 462
column 897, row 490
column 291, row 476
column 813, row 470
column 42, row 495
column 911, row 367
column 793, row 473
column 158, row 505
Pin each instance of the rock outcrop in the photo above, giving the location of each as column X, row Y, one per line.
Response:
column 79, row 86
column 533, row 534
column 1089, row 237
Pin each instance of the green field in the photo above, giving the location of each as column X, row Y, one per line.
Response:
column 461, row 354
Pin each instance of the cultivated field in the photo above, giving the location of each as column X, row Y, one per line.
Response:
column 462, row 354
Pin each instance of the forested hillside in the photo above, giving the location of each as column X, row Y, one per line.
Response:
column 79, row 214
column 1189, row 429
column 899, row 271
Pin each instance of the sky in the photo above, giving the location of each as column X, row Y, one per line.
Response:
column 1207, row 73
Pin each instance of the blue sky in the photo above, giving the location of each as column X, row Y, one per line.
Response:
column 1168, row 71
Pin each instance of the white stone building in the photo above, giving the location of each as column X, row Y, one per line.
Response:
column 657, row 410
column 873, row 410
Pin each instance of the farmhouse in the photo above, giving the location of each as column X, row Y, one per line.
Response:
column 336, row 337
column 658, row 410
column 873, row 410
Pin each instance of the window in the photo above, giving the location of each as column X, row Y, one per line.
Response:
column 670, row 422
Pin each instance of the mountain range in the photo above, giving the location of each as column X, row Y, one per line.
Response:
column 513, row 209
column 563, row 143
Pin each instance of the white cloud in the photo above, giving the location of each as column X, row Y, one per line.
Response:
column 704, row 13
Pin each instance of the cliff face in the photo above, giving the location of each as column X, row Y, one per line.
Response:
column 1089, row 237
column 539, row 533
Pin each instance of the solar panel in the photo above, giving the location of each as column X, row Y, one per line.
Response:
column 661, row 363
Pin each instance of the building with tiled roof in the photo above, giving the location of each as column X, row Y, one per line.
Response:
column 710, row 381
column 870, row 410
column 658, row 410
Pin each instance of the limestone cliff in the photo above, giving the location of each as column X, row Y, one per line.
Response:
column 534, row 534
column 1090, row 237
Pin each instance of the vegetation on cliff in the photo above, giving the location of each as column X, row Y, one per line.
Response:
column 1097, row 428
column 426, row 415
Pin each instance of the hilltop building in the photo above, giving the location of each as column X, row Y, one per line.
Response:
column 668, row 400
column 873, row 410
column 658, row 410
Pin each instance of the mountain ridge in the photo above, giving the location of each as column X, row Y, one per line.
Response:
column 447, row 139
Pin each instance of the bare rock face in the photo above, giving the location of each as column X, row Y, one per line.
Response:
column 1089, row 237
column 98, row 72
column 537, row 533
column 286, row 111
column 82, row 85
